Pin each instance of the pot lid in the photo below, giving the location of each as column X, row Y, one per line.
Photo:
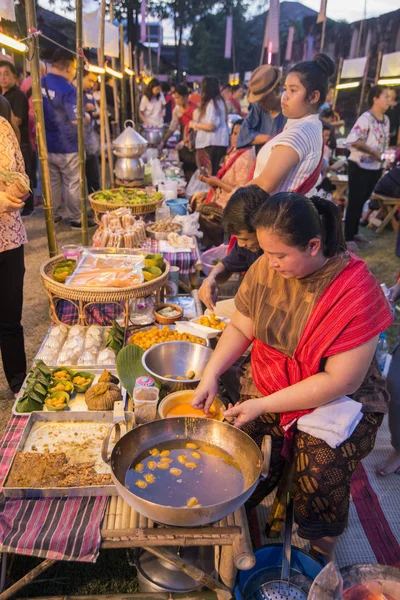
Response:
column 164, row 575
column 129, row 138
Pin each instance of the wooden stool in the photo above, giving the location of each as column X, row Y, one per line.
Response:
column 389, row 206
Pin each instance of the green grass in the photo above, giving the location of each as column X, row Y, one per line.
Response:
column 112, row 572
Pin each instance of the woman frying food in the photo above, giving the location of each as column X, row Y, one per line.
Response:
column 313, row 313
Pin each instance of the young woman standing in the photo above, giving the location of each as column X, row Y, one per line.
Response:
column 292, row 160
column 367, row 140
column 212, row 133
column 313, row 313
column 152, row 105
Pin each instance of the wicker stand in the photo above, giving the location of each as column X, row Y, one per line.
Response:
column 82, row 297
column 137, row 209
column 123, row 527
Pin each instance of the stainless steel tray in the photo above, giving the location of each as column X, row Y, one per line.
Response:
column 63, row 417
column 77, row 402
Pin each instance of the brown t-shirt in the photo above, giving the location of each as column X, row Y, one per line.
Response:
column 280, row 308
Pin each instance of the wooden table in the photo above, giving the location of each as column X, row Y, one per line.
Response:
column 389, row 207
column 124, row 527
column 342, row 183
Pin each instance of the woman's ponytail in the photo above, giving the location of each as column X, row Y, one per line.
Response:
column 332, row 231
column 298, row 219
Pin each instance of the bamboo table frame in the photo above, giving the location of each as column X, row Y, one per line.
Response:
column 389, row 206
column 124, row 527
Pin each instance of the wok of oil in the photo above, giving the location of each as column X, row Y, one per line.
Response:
column 217, row 477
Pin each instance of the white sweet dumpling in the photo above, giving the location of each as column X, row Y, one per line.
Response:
column 106, row 357
column 76, row 330
column 53, row 343
column 86, row 358
column 92, row 343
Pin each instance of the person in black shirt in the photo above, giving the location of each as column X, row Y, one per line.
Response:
column 237, row 221
column 20, row 108
column 394, row 117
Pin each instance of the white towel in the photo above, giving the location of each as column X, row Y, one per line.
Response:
column 333, row 422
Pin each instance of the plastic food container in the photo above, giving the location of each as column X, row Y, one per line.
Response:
column 178, row 206
column 214, row 254
column 145, row 404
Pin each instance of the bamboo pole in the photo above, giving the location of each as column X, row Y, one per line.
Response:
column 115, row 82
column 80, row 110
column 123, row 80
column 103, row 104
column 378, row 66
column 363, row 86
column 338, row 76
column 131, row 88
column 33, row 43
column 322, row 45
column 108, row 145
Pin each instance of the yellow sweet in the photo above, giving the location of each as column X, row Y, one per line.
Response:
column 191, row 445
column 165, row 452
column 192, row 502
column 149, row 478
column 196, row 454
column 152, row 465
column 141, row 484
column 163, row 465
column 212, row 321
column 154, row 452
column 139, row 468
column 182, row 459
column 175, row 472
column 191, row 465
column 155, row 335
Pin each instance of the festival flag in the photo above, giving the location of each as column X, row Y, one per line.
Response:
column 228, row 37
column 273, row 27
column 289, row 45
column 143, row 13
column 322, row 12
column 111, row 40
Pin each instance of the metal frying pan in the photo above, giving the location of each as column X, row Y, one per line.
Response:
column 284, row 588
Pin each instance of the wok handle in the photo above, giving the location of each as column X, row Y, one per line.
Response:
column 266, row 448
column 106, row 441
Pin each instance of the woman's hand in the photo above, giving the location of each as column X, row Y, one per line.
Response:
column 205, row 394
column 208, row 293
column 395, row 292
column 9, row 204
column 193, row 125
column 211, row 181
column 245, row 412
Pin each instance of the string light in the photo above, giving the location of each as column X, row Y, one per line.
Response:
column 113, row 73
column 10, row 42
column 95, row 69
column 348, row 86
column 129, row 72
column 393, row 81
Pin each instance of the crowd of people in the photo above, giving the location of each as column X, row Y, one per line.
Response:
column 308, row 307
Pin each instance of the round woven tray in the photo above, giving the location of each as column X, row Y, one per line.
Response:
column 100, row 294
column 137, row 209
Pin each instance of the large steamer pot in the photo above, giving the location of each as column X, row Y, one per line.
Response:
column 233, row 441
column 153, row 135
column 129, row 169
column 176, row 358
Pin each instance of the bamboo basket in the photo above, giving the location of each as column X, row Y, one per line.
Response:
column 137, row 209
column 98, row 295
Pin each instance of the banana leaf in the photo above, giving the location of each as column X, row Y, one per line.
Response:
column 129, row 366
column 26, row 404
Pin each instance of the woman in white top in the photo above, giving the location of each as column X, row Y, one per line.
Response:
column 152, row 105
column 368, row 139
column 212, row 133
column 292, row 160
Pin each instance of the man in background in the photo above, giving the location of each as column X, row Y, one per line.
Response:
column 20, row 109
column 59, row 106
column 394, row 117
column 265, row 118
column 92, row 139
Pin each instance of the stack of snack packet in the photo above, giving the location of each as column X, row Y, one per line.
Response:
column 120, row 229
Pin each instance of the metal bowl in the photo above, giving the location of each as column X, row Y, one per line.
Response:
column 176, row 358
column 160, row 235
column 153, row 135
column 129, row 151
column 176, row 398
column 137, row 441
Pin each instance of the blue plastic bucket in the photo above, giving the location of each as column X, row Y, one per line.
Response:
column 270, row 557
column 178, row 206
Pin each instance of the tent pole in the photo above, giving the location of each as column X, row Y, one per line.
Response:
column 115, row 82
column 338, row 77
column 363, row 86
column 378, row 66
column 81, row 140
column 123, row 80
column 33, row 43
column 103, row 104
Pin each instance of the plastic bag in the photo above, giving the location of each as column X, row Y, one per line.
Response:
column 195, row 185
column 157, row 174
column 190, row 224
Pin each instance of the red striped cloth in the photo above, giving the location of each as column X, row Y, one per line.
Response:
column 351, row 311
column 54, row 528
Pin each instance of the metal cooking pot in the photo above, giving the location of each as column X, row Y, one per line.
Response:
column 176, row 358
column 129, row 169
column 238, row 444
column 130, row 144
column 153, row 135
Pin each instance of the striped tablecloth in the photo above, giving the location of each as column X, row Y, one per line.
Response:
column 53, row 528
column 186, row 261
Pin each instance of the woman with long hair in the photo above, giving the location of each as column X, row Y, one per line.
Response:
column 313, row 313
column 152, row 105
column 292, row 160
column 210, row 125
